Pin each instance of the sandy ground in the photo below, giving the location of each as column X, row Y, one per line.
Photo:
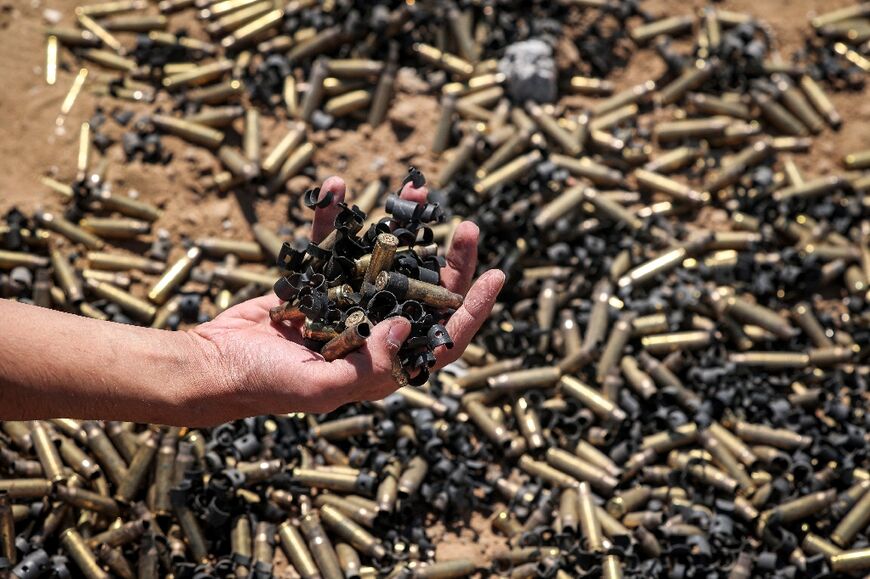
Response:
column 36, row 142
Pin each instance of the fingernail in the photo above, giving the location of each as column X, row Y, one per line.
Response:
column 497, row 273
column 502, row 277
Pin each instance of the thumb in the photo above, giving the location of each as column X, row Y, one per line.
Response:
column 377, row 356
column 376, row 364
column 386, row 340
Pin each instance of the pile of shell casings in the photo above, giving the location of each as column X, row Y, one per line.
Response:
column 338, row 288
column 674, row 382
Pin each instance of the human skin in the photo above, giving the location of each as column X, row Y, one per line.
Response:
column 54, row 364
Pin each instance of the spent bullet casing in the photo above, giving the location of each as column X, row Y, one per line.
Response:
column 508, row 172
column 630, row 95
column 560, row 206
column 190, row 131
column 106, row 454
column 551, row 128
column 590, row 398
column 69, row 230
column 674, row 189
column 568, row 516
column 351, row 532
column 358, row 509
column 529, row 424
column 127, row 206
column 114, row 228
column 139, row 468
column 175, row 275
column 47, row 451
column 581, row 470
column 546, row 472
column 296, row 161
column 523, row 379
column 88, row 500
column 459, row 157
column 345, row 428
column 771, row 359
column 138, row 308
column 851, row 561
column 666, row 343
column 799, row 508
column 778, row 115
column 445, row 124
column 495, row 431
column 288, row 143
column 216, row 93
column 591, row 86
column 820, row 101
column 412, row 476
column 382, row 95
column 349, row 560
column 613, row 348
column 404, row 287
column 7, row 530
column 670, row 26
column 477, row 377
column 252, row 29
column 84, row 558
column 350, row 339
column 78, row 460
column 639, row 380
column 321, row 547
column 589, row 524
column 778, row 437
column 856, row 520
column 26, row 488
column 237, row 163
column 666, row 441
column 597, row 173
column 67, row 278
column 297, row 552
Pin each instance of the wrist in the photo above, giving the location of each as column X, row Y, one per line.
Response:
column 209, row 388
column 189, row 376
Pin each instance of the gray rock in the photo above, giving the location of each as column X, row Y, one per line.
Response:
column 530, row 71
column 321, row 121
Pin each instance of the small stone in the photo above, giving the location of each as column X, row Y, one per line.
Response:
column 51, row 16
column 530, row 70
column 407, row 80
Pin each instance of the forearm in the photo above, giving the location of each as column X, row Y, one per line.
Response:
column 56, row 365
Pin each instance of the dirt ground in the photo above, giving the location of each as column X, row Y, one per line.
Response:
column 36, row 142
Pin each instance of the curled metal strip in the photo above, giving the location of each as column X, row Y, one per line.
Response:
column 310, row 198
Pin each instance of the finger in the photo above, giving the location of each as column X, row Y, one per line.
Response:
column 263, row 303
column 324, row 218
column 465, row 322
column 320, row 386
column 411, row 193
column 256, row 310
column 461, row 258
column 252, row 310
column 373, row 363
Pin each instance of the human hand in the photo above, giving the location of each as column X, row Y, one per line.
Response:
column 263, row 367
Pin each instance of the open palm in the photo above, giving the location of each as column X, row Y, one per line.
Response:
column 267, row 369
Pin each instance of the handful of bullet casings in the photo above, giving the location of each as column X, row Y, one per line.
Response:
column 337, row 288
